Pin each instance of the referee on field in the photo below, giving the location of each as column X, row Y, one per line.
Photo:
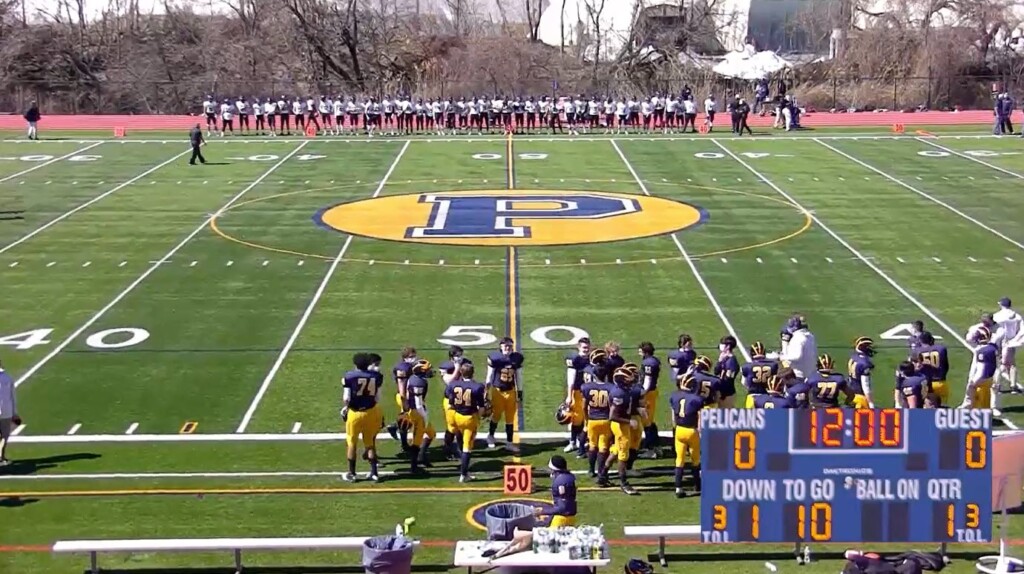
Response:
column 196, row 138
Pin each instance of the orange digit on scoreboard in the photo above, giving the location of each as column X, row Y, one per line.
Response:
column 517, row 479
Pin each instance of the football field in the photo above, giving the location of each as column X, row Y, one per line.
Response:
column 177, row 333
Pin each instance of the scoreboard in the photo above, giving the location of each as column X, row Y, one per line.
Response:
column 843, row 475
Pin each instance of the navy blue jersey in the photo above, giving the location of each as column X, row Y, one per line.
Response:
column 578, row 363
column 826, row 388
column 597, row 400
column 988, row 357
column 858, row 366
column 709, row 387
column 636, row 394
column 937, row 357
column 465, row 397
column 773, row 402
column 505, row 368
column 449, row 367
column 362, row 389
column 614, row 362
column 620, row 402
column 800, row 394
column 726, row 370
column 415, row 387
column 912, row 386
column 686, row 409
column 650, row 367
column 756, row 374
column 563, row 494
column 680, row 360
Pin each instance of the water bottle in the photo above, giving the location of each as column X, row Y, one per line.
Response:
column 807, row 554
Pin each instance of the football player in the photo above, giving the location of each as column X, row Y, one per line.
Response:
column 597, row 395
column 775, row 396
column 979, row 384
column 423, row 432
column 467, row 401
column 504, row 380
column 361, row 412
column 622, row 424
column 650, row 368
column 709, row 387
column 637, row 414
column 686, row 406
column 726, row 370
column 563, row 494
column 400, row 373
column 798, row 390
column 450, row 372
column 680, row 360
column 1011, row 329
column 911, row 387
column 859, row 370
column 936, row 357
column 575, row 369
column 615, row 360
column 757, row 373
column 826, row 384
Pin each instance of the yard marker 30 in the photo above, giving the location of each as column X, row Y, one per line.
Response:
column 686, row 258
column 923, row 194
column 75, row 210
column 853, row 250
column 308, row 312
column 150, row 270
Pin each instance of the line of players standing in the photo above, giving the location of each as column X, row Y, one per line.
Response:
column 611, row 404
column 666, row 113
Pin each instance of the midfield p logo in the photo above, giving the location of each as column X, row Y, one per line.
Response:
column 464, row 216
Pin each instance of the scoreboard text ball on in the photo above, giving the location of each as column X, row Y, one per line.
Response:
column 843, row 475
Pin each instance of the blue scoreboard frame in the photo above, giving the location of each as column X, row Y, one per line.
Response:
column 844, row 475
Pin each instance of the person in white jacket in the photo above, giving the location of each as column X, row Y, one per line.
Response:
column 9, row 419
column 1009, row 336
column 802, row 350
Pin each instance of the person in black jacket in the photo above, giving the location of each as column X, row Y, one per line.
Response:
column 195, row 137
column 32, row 116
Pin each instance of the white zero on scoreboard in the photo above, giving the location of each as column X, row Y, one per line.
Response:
column 483, row 335
column 116, row 338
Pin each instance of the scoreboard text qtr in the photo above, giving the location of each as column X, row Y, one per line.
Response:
column 843, row 475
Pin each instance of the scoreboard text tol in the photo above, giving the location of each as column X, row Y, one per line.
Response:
column 843, row 475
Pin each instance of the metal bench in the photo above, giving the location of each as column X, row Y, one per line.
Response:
column 676, row 532
column 235, row 545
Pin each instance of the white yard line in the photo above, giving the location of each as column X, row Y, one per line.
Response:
column 261, row 437
column 99, row 197
column 311, row 306
column 153, row 267
column 972, row 158
column 867, row 261
column 927, row 196
column 688, row 260
column 256, row 474
column 48, row 162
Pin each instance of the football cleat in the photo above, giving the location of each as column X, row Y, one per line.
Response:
column 864, row 345
column 563, row 416
column 349, row 477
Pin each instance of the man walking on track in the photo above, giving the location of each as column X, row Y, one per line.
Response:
column 9, row 419
column 32, row 116
column 196, row 138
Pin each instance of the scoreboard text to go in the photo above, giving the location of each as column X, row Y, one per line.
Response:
column 841, row 475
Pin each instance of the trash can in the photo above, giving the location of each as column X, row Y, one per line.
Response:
column 504, row 518
column 387, row 555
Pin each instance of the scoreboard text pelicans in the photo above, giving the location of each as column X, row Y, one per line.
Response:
column 841, row 475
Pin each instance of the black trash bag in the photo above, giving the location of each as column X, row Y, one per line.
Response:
column 387, row 555
column 504, row 518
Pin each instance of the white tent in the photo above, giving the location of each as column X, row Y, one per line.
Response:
column 748, row 64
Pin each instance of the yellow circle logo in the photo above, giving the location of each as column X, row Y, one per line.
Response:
column 518, row 218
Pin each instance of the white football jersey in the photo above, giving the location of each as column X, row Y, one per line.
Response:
column 297, row 107
column 209, row 107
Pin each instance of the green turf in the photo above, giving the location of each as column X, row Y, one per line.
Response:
column 221, row 308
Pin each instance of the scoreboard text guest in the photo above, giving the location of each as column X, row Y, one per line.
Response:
column 765, row 479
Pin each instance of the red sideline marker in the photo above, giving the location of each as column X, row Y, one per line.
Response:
column 310, row 132
column 119, row 132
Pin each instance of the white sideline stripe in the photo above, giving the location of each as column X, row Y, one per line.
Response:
column 296, row 427
column 972, row 158
column 131, row 287
column 689, row 261
column 74, row 428
column 131, row 429
column 311, row 306
column 638, row 137
column 929, row 197
column 51, row 161
column 257, row 474
column 17, row 430
column 906, row 294
column 271, row 437
column 75, row 210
